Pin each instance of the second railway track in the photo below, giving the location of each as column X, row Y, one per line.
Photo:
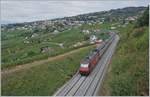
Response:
column 89, row 85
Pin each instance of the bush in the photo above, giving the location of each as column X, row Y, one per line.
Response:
column 31, row 53
column 137, row 32
column 129, row 67
column 144, row 19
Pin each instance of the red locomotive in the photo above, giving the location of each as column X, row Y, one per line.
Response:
column 87, row 64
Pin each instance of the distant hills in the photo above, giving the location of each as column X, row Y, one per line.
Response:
column 103, row 16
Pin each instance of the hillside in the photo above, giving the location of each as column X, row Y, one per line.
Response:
column 62, row 23
column 56, row 36
column 128, row 73
column 113, row 15
column 44, row 79
column 25, row 43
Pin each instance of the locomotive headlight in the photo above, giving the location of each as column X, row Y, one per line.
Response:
column 84, row 65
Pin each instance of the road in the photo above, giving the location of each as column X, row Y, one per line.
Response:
column 89, row 86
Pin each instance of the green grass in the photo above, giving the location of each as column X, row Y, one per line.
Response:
column 15, row 52
column 97, row 26
column 42, row 80
column 128, row 72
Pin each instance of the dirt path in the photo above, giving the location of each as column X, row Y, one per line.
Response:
column 39, row 62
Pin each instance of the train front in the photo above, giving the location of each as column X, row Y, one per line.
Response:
column 84, row 67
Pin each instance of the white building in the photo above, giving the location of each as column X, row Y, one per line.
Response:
column 86, row 31
column 55, row 31
column 112, row 28
column 34, row 35
column 93, row 38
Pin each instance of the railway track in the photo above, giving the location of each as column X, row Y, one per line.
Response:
column 90, row 85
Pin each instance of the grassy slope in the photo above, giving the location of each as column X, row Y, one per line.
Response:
column 44, row 79
column 128, row 71
column 15, row 52
column 19, row 53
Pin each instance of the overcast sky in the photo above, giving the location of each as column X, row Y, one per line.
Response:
column 25, row 11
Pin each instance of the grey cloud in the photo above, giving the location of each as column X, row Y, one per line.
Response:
column 22, row 11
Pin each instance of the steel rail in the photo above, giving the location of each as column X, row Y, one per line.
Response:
column 80, row 85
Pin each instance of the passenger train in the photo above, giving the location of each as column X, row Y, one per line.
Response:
column 90, row 61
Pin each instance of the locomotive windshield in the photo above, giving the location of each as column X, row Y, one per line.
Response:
column 84, row 65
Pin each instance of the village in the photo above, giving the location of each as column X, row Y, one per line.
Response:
column 59, row 25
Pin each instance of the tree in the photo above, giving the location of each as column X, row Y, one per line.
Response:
column 144, row 19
